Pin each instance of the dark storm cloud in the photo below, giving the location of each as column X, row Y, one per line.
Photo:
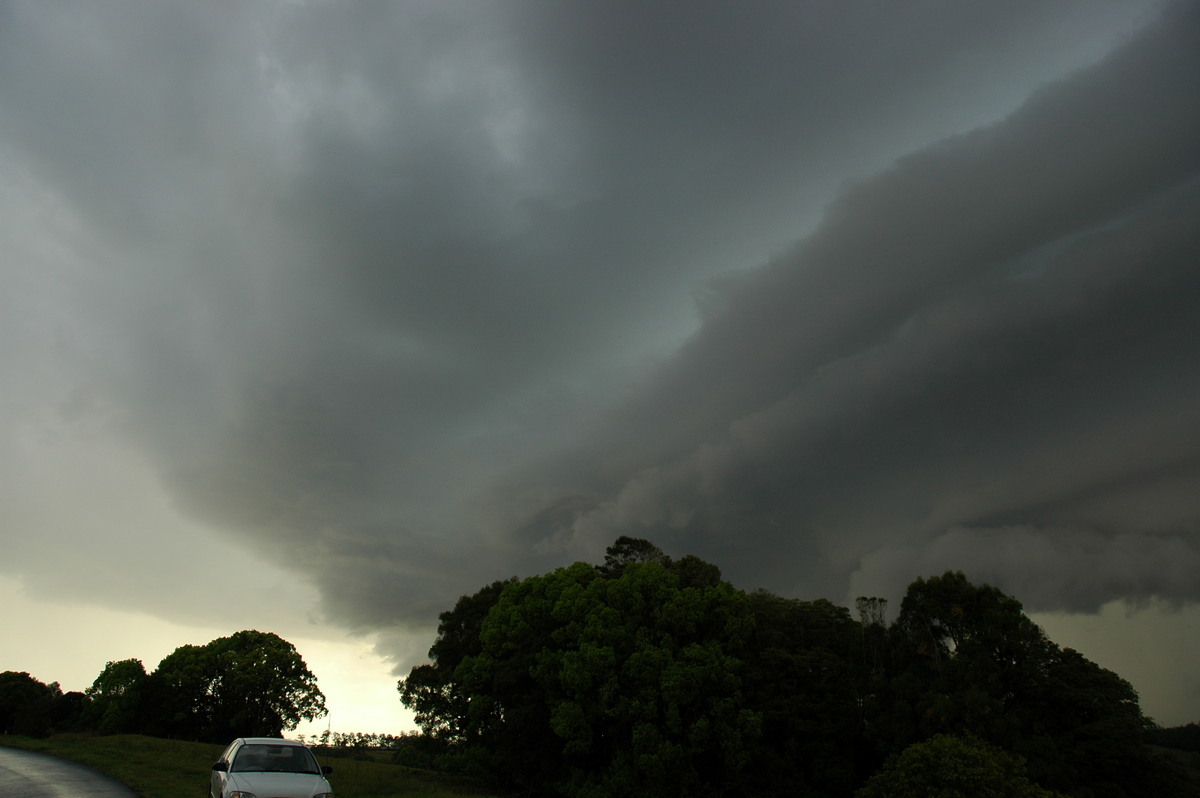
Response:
column 987, row 346
column 350, row 274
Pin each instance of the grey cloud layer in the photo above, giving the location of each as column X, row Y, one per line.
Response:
column 996, row 330
column 406, row 292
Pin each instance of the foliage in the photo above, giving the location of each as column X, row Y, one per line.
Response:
column 630, row 551
column 431, row 691
column 652, row 676
column 805, row 676
column 24, row 704
column 945, row 766
column 27, row 706
column 968, row 661
column 609, row 681
column 159, row 768
column 1183, row 738
column 116, row 680
column 115, row 704
column 249, row 684
column 616, row 685
column 338, row 743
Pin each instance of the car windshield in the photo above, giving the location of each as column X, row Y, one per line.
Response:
column 274, row 759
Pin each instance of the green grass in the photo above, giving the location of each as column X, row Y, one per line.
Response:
column 156, row 768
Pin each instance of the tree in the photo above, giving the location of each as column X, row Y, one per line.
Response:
column 872, row 617
column 946, row 766
column 968, row 661
column 1088, row 729
column 644, row 681
column 185, row 683
column 628, row 551
column 948, row 618
column 67, row 714
column 249, row 684
column 25, row 704
column 586, row 681
column 114, row 705
column 872, row 610
column 265, row 687
column 695, row 572
column 433, row 691
column 804, row 676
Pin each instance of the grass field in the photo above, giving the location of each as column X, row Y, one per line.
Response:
column 156, row 768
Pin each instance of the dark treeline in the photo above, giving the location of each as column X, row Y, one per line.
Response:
column 1183, row 738
column 249, row 684
column 654, row 677
column 343, row 742
column 34, row 709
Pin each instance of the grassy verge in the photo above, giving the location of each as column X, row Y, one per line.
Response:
column 156, row 768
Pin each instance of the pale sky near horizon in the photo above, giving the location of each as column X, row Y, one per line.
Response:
column 315, row 316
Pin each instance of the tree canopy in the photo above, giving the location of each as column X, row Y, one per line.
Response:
column 25, row 704
column 945, row 766
column 967, row 660
column 619, row 684
column 115, row 695
column 646, row 675
column 248, row 684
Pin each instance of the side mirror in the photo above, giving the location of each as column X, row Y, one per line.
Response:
column 222, row 767
column 326, row 769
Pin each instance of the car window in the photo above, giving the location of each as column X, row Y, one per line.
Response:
column 274, row 759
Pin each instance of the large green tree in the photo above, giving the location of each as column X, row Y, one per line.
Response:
column 588, row 681
column 248, row 684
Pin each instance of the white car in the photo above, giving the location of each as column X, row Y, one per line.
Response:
column 269, row 767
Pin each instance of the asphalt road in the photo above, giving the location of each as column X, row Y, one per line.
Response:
column 32, row 775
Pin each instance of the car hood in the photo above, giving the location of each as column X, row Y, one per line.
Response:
column 279, row 785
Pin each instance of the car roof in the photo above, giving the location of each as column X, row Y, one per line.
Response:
column 271, row 741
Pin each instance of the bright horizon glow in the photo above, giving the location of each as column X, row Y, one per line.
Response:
column 360, row 691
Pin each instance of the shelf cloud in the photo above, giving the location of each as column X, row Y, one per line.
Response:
column 406, row 298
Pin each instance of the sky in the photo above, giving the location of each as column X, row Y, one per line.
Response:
column 315, row 316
